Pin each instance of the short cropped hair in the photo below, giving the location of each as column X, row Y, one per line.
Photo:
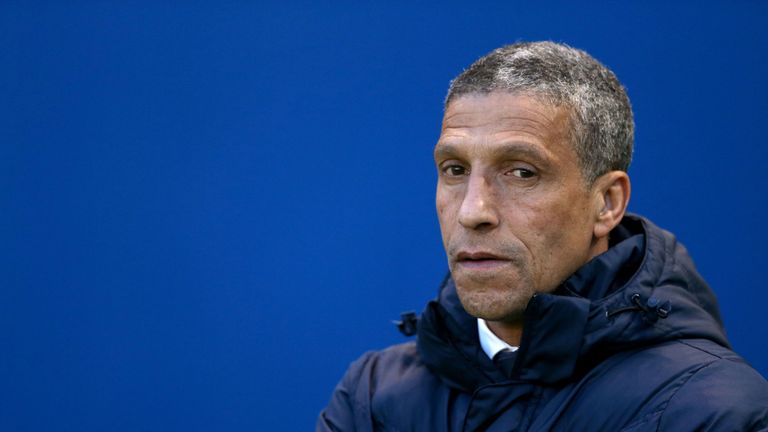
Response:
column 602, row 126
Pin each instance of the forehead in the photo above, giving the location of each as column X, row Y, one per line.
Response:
column 486, row 121
column 499, row 111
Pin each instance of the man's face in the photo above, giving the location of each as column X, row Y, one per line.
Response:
column 515, row 214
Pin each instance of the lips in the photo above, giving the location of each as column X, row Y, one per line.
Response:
column 480, row 260
column 477, row 256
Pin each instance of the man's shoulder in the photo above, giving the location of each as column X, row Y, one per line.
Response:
column 390, row 364
column 382, row 385
column 684, row 384
column 667, row 367
column 723, row 391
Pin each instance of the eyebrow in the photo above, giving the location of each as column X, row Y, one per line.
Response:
column 507, row 150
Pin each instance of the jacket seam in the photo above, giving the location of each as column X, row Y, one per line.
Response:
column 687, row 380
column 717, row 356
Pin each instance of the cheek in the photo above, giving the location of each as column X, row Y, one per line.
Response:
column 444, row 202
column 447, row 213
column 565, row 235
column 555, row 227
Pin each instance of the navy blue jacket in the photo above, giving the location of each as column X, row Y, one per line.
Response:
column 633, row 341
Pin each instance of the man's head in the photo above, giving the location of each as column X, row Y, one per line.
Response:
column 532, row 161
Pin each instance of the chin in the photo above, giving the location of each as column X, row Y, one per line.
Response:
column 499, row 304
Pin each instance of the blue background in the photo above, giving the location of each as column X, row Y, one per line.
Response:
column 210, row 208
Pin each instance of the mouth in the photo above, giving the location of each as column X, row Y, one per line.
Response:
column 480, row 260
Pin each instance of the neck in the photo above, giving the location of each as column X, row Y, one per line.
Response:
column 509, row 332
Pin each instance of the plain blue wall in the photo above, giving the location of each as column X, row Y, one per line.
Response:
column 210, row 208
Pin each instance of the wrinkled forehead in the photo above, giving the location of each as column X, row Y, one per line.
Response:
column 500, row 112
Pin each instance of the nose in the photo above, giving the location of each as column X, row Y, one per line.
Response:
column 477, row 209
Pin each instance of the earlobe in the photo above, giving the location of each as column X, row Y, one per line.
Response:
column 613, row 189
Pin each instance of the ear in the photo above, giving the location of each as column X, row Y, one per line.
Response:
column 611, row 191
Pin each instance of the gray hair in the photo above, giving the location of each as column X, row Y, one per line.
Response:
column 602, row 127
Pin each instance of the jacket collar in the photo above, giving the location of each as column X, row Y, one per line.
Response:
column 573, row 326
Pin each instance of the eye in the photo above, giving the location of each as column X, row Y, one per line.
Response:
column 522, row 173
column 453, row 170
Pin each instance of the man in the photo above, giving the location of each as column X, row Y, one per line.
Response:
column 561, row 312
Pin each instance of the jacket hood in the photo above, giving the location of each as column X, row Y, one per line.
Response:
column 643, row 290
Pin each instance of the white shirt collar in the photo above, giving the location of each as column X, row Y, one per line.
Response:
column 491, row 343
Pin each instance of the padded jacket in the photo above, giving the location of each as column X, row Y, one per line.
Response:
column 633, row 341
